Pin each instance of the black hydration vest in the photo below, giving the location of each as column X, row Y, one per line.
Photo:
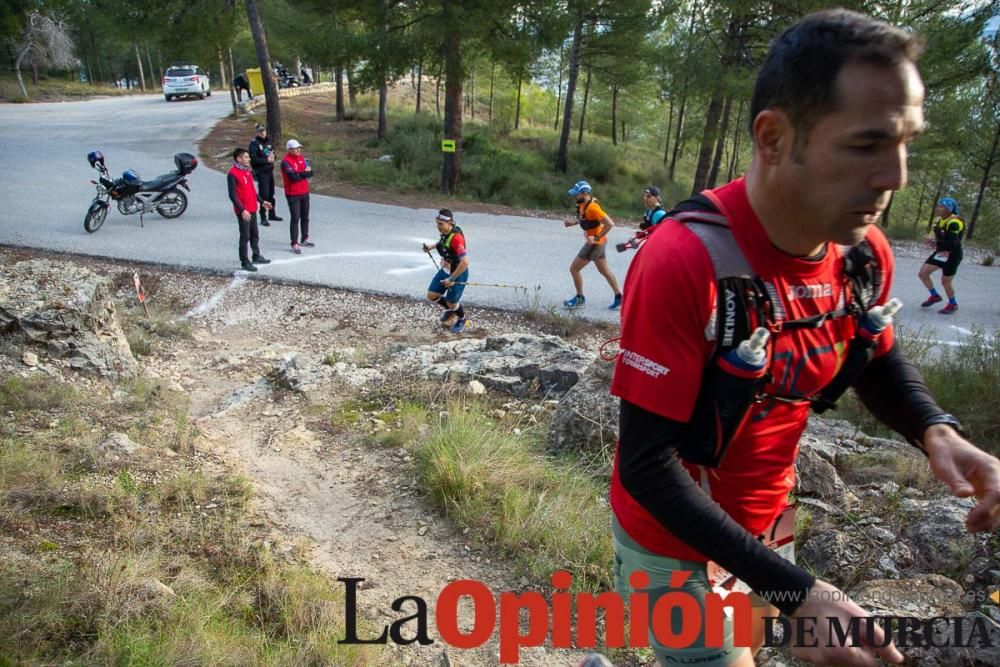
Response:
column 444, row 246
column 745, row 304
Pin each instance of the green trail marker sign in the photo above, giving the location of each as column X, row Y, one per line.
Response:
column 447, row 145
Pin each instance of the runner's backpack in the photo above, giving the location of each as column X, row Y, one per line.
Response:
column 743, row 304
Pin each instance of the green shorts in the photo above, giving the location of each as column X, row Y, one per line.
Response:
column 629, row 557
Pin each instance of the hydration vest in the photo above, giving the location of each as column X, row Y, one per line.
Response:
column 444, row 246
column 650, row 217
column 585, row 224
column 743, row 304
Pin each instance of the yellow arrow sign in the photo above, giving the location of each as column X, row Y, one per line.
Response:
column 996, row 596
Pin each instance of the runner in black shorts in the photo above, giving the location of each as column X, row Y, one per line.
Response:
column 947, row 255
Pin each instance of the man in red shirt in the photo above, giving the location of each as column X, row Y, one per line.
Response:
column 243, row 195
column 295, row 174
column 835, row 105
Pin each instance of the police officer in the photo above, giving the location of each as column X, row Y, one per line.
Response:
column 262, row 162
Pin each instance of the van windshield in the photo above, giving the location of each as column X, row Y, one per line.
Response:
column 180, row 72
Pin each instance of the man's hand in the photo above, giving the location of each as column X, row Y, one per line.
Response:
column 270, row 157
column 824, row 602
column 267, row 206
column 968, row 471
column 246, row 215
column 427, row 248
column 447, row 282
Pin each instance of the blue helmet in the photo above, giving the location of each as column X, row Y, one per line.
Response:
column 93, row 157
column 131, row 178
column 949, row 204
column 578, row 187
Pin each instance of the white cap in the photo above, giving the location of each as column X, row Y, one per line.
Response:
column 292, row 143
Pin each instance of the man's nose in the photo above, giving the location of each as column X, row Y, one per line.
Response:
column 891, row 174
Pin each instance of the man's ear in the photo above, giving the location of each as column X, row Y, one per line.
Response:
column 773, row 135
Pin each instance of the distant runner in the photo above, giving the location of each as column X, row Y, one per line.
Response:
column 595, row 224
column 947, row 255
column 448, row 284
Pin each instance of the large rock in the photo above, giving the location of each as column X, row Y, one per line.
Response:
column 586, row 419
column 63, row 312
column 936, row 530
column 818, row 478
column 516, row 364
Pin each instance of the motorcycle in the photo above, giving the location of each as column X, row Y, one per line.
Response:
column 132, row 195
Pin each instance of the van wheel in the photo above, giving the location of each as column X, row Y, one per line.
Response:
column 168, row 97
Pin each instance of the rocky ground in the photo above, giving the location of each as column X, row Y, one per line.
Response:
column 262, row 363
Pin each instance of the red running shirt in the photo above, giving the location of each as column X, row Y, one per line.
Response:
column 667, row 327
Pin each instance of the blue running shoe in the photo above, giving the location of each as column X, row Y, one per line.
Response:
column 458, row 326
column 577, row 301
column 617, row 303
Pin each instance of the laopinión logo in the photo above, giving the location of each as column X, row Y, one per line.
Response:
column 557, row 618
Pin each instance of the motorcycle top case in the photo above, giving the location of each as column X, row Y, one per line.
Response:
column 185, row 162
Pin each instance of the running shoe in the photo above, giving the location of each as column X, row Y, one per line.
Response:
column 296, row 249
column 458, row 326
column 577, row 301
column 949, row 309
column 447, row 315
column 306, row 243
column 935, row 298
column 617, row 303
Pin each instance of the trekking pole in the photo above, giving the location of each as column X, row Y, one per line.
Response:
column 434, row 261
column 521, row 287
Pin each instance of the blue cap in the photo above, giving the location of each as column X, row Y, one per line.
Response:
column 949, row 204
column 578, row 187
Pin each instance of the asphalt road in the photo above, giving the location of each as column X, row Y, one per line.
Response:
column 362, row 246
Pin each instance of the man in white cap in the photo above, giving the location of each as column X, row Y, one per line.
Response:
column 295, row 172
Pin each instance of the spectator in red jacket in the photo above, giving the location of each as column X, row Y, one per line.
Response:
column 243, row 195
column 295, row 172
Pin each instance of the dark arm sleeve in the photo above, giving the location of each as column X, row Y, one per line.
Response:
column 651, row 471
column 293, row 175
column 231, row 184
column 893, row 390
column 257, row 158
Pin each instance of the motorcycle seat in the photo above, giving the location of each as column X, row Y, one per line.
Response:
column 159, row 182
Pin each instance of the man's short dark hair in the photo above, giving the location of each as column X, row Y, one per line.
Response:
column 800, row 73
column 238, row 152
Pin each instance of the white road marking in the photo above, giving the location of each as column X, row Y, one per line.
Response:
column 358, row 253
column 413, row 269
column 207, row 306
column 964, row 332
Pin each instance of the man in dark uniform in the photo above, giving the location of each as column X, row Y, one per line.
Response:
column 262, row 162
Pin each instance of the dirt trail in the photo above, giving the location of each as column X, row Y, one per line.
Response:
column 348, row 508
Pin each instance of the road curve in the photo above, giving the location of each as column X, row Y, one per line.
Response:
column 360, row 245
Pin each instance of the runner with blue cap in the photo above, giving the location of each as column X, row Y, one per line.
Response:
column 595, row 224
column 947, row 255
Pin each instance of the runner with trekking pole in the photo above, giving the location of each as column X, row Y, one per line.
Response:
column 449, row 282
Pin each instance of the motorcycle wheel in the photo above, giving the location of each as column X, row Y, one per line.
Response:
column 172, row 204
column 95, row 217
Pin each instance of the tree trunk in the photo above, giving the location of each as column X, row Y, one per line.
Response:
column 34, row 70
column 583, row 107
column 270, row 81
column 352, row 93
column 383, row 102
column 574, row 70
column 138, row 62
column 937, row 198
column 17, row 71
column 232, row 89
column 713, row 175
column 559, row 88
column 338, row 73
column 437, row 93
column 90, row 73
column 624, row 137
column 298, row 69
column 677, row 137
column 451, row 173
column 734, row 157
column 472, row 97
column 159, row 62
column 984, row 181
column 420, row 79
column 517, row 110
column 493, row 72
column 614, row 116
column 708, row 141
column 149, row 65
column 222, row 68
column 670, row 129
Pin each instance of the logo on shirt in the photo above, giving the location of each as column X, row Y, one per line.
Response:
column 643, row 365
column 729, row 321
column 809, row 291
